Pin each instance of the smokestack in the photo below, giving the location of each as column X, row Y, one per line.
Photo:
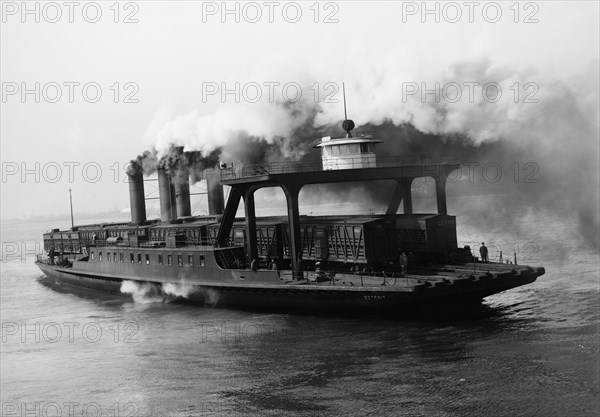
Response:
column 166, row 192
column 214, row 189
column 182, row 194
column 137, row 200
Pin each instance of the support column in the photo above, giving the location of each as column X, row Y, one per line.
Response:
column 440, row 192
column 408, row 206
column 251, row 245
column 397, row 195
column 291, row 196
column 231, row 208
column 402, row 193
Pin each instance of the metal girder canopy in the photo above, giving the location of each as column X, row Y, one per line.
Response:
column 291, row 183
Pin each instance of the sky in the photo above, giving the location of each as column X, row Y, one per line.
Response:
column 86, row 89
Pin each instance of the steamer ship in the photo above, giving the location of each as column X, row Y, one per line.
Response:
column 384, row 263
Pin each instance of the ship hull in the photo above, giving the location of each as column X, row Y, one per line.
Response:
column 306, row 298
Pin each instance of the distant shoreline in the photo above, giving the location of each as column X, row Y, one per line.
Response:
column 67, row 217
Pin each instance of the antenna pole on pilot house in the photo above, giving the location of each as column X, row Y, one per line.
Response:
column 347, row 125
column 344, row 94
column 71, row 202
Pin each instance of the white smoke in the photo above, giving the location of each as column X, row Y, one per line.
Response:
column 147, row 293
column 532, row 105
column 142, row 292
column 553, row 117
column 182, row 290
column 223, row 128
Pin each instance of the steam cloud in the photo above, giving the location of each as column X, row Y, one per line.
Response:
column 146, row 293
column 559, row 133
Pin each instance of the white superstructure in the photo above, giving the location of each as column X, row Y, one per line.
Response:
column 349, row 152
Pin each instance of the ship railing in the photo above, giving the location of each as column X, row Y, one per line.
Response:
column 42, row 258
column 500, row 256
column 59, row 260
column 237, row 170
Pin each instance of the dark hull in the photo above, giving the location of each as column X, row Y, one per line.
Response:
column 308, row 300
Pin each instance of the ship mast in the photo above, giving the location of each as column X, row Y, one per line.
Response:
column 347, row 125
column 71, row 203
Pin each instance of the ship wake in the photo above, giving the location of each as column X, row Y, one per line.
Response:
column 146, row 292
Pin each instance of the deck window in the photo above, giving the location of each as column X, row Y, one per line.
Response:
column 147, row 259
column 131, row 259
column 202, row 261
column 366, row 147
column 114, row 256
column 108, row 257
column 170, row 259
column 121, row 256
column 139, row 258
column 179, row 260
column 100, row 256
column 160, row 260
column 190, row 260
column 92, row 257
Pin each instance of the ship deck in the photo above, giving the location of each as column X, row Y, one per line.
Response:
column 433, row 276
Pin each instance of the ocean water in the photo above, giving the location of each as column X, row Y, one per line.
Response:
column 532, row 351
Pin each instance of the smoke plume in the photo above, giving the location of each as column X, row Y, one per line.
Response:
column 532, row 118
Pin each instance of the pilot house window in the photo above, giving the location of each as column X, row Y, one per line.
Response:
column 366, row 147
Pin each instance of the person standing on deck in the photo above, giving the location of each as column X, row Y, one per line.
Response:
column 254, row 265
column 483, row 250
column 403, row 263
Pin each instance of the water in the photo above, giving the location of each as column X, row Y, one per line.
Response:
column 532, row 351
